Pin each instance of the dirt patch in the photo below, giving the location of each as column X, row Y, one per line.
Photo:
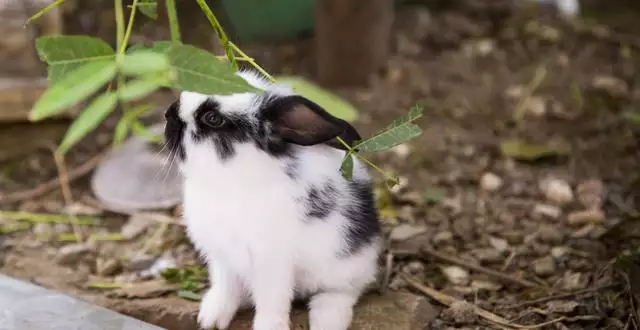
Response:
column 469, row 222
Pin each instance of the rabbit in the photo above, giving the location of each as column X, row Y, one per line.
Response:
column 568, row 8
column 267, row 208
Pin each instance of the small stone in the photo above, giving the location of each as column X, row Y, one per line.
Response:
column 490, row 182
column 405, row 231
column 141, row 262
column 158, row 267
column 81, row 209
column 71, row 253
column 489, row 255
column 557, row 191
column 485, row 285
column 514, row 237
column 559, row 252
column 581, row 218
column 138, row 223
column 108, row 267
column 611, row 85
column 550, row 235
column 590, row 193
column 442, row 238
column 499, row 244
column 541, row 211
column 544, row 266
column 43, row 230
column 559, row 306
column 414, row 268
column 456, row 275
column 536, row 106
column 460, row 312
column 574, row 281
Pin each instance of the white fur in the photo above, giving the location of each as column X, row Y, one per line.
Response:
column 246, row 217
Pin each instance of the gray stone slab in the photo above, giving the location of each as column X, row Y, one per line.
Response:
column 25, row 306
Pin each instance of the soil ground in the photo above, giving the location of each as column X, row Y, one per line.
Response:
column 476, row 67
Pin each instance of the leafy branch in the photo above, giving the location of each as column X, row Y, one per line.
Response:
column 82, row 69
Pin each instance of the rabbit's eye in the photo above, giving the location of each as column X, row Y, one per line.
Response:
column 212, row 120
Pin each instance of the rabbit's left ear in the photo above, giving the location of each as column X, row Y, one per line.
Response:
column 298, row 120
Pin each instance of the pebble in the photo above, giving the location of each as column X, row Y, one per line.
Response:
column 535, row 106
column 43, row 230
column 108, row 267
column 550, row 235
column 414, row 268
column 442, row 238
column 158, row 267
column 71, row 253
column 136, row 225
column 590, row 193
column 499, row 244
column 456, row 275
column 541, row 211
column 141, row 262
column 460, row 312
column 559, row 252
column 544, row 266
column 580, row 218
column 488, row 255
column 557, row 191
column 406, row 231
column 485, row 285
column 490, row 182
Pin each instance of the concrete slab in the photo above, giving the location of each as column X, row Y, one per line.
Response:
column 26, row 306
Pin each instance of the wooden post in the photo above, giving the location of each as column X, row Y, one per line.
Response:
column 352, row 39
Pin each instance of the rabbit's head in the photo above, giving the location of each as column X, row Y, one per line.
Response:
column 271, row 121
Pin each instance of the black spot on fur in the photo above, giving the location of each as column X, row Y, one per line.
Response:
column 236, row 129
column 321, row 202
column 174, row 131
column 362, row 215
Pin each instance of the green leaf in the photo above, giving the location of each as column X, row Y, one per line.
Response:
column 64, row 54
column 141, row 131
column 89, row 119
column 414, row 113
column 156, row 47
column 148, row 8
column 202, row 72
column 400, row 130
column 524, row 151
column 327, row 100
column 189, row 295
column 144, row 62
column 347, row 166
column 121, row 130
column 73, row 88
column 140, row 88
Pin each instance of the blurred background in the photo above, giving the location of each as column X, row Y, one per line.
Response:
column 527, row 168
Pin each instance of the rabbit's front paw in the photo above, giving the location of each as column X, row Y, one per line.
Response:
column 217, row 309
column 271, row 322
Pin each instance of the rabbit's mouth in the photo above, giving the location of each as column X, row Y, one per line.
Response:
column 174, row 132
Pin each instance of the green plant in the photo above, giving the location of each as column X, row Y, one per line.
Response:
column 81, row 66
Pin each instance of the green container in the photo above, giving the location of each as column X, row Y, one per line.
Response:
column 250, row 21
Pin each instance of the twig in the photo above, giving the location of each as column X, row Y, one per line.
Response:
column 504, row 277
column 449, row 300
column 45, row 10
column 52, row 184
column 66, row 192
column 587, row 291
column 387, row 272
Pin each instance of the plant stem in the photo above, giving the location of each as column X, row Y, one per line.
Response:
column 119, row 22
column 224, row 40
column 174, row 25
column 44, row 10
column 44, row 218
column 251, row 61
column 368, row 162
column 132, row 17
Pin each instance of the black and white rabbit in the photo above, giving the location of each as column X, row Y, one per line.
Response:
column 268, row 209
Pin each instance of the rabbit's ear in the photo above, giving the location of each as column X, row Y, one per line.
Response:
column 298, row 120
